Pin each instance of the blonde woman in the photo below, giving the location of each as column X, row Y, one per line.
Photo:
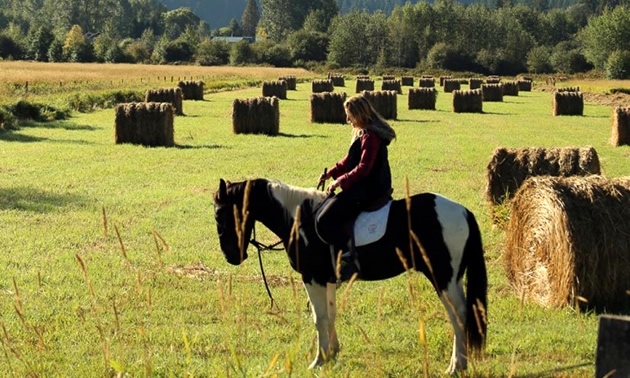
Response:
column 363, row 176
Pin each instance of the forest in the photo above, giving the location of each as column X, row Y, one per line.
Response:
column 499, row 38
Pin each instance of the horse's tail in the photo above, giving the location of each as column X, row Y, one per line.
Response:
column 476, row 288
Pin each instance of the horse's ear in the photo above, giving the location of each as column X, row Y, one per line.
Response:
column 222, row 189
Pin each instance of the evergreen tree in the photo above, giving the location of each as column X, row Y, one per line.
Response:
column 250, row 18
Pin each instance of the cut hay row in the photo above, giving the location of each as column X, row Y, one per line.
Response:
column 319, row 86
column 570, row 238
column 391, row 85
column 291, row 81
column 337, row 79
column 525, row 85
column 474, row 83
column 426, row 82
column 171, row 95
column 567, row 103
column 384, row 102
column 493, row 79
column 388, row 77
column 510, row 88
column 443, row 78
column 145, row 123
column 276, row 88
column 492, row 92
column 191, row 90
column 364, row 85
column 451, row 85
column 422, row 98
column 620, row 134
column 407, row 81
column 467, row 101
column 259, row 115
column 568, row 89
column 327, row 107
column 509, row 167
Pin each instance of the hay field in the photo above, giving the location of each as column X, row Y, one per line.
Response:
column 78, row 297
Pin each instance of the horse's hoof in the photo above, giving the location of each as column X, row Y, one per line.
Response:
column 318, row 362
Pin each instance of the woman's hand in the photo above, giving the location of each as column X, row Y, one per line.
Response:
column 322, row 179
column 332, row 186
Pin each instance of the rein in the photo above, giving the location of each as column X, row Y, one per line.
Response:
column 262, row 247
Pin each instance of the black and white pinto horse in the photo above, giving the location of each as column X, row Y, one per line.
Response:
column 446, row 230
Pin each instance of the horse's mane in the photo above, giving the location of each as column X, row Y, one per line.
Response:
column 292, row 196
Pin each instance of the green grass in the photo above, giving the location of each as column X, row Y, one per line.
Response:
column 196, row 315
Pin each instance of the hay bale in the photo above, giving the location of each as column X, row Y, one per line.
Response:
column 259, row 115
column 422, row 98
column 407, row 81
column 145, row 123
column 467, row 101
column 620, row 134
column 291, row 82
column 451, row 85
column 388, row 77
column 510, row 88
column 363, row 77
column 493, row 79
column 525, row 78
column 567, row 103
column 474, row 83
column 568, row 89
column 570, row 237
column 492, row 92
column 171, row 95
column 384, row 102
column 327, row 107
column 509, row 167
column 426, row 82
column 191, row 90
column 364, row 85
column 319, row 86
column 524, row 85
column 275, row 88
column 443, row 78
column 391, row 85
column 426, row 77
column 337, row 79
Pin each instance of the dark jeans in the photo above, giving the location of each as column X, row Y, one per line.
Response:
column 331, row 217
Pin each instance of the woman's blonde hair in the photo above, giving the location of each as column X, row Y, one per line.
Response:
column 366, row 117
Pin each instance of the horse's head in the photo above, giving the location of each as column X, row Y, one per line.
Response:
column 228, row 213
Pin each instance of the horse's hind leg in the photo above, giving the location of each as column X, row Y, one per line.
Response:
column 331, row 291
column 455, row 303
column 317, row 297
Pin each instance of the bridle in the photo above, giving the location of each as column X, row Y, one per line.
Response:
column 262, row 247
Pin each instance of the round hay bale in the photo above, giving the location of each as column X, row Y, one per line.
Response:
column 568, row 89
column 422, row 98
column 509, row 167
column 337, row 79
column 426, row 77
column 474, row 83
column 384, row 102
column 291, row 82
column 191, row 90
column 319, row 86
column 407, row 81
column 259, row 115
column 363, row 77
column 443, row 78
column 171, row 95
column 275, row 88
column 364, row 85
column 510, row 88
column 388, row 77
column 567, row 103
column 525, row 85
column 426, row 82
column 492, row 92
column 451, row 85
column 467, row 101
column 391, row 85
column 327, row 107
column 569, row 237
column 620, row 134
column 145, row 123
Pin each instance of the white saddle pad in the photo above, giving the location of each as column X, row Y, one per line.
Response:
column 370, row 226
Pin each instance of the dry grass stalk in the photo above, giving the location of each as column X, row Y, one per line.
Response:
column 451, row 85
column 327, row 107
column 364, row 85
column 568, row 103
column 391, row 85
column 346, row 292
column 407, row 81
column 492, row 92
column 291, row 81
column 568, row 237
column 104, row 221
column 426, row 82
column 474, row 83
column 172, row 96
column 191, row 90
column 276, row 88
column 318, row 86
column 509, row 167
column 467, row 101
column 422, row 98
column 493, row 79
column 620, row 134
column 525, row 85
column 166, row 247
column 157, row 250
column 145, row 123
column 122, row 245
column 444, row 78
column 384, row 102
column 337, row 79
column 259, row 115
column 510, row 88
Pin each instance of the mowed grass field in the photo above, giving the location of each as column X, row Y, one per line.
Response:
column 88, row 288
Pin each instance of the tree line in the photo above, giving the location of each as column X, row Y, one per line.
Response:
column 447, row 35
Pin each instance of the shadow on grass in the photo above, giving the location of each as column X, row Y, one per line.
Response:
column 302, row 136
column 497, row 113
column 12, row 136
column 65, row 125
column 419, row 120
column 24, row 198
column 200, row 147
column 555, row 372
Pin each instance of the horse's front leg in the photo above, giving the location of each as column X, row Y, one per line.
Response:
column 317, row 297
column 331, row 291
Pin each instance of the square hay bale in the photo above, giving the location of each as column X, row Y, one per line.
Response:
column 388, row 77
column 567, row 103
column 568, row 89
column 467, row 101
column 474, row 83
column 525, row 85
column 493, row 79
column 171, row 95
column 407, row 81
column 426, row 82
column 510, row 88
column 275, row 88
column 145, row 123
column 337, row 79
column 391, row 85
column 620, row 134
column 191, row 90
column 260, row 115
column 422, row 98
column 443, row 78
column 291, row 82
column 384, row 102
column 492, row 92
column 364, row 85
column 327, row 107
column 509, row 167
column 319, row 86
column 569, row 238
column 451, row 85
